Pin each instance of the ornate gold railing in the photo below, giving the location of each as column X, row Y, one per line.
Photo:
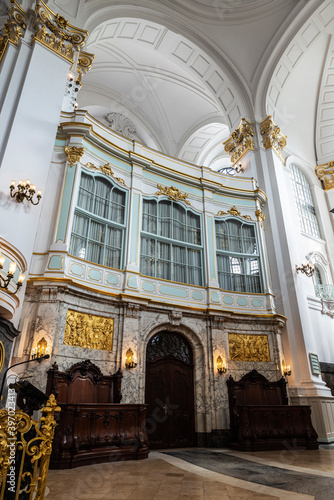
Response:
column 25, row 449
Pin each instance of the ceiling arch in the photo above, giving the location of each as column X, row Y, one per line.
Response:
column 160, row 80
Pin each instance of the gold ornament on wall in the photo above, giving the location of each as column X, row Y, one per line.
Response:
column 56, row 33
column 248, row 347
column 172, row 193
column 260, row 216
column 73, row 154
column 88, row 331
column 326, row 174
column 14, row 27
column 235, row 213
column 240, row 141
column 272, row 136
column 106, row 169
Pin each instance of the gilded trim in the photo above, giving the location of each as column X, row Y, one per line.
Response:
column 326, row 174
column 240, row 141
column 272, row 136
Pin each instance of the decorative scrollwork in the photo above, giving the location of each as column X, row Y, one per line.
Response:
column 169, row 344
column 260, row 216
column 56, row 33
column 235, row 213
column 84, row 64
column 14, row 27
column 240, row 141
column 326, row 174
column 33, row 438
column 73, row 154
column 272, row 136
column 106, row 169
column 172, row 193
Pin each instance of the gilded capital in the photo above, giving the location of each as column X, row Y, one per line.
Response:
column 240, row 141
column 272, row 136
column 172, row 193
column 73, row 154
column 326, row 174
column 14, row 27
column 56, row 33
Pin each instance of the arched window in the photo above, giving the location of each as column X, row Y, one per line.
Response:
column 171, row 242
column 317, row 276
column 303, row 197
column 99, row 222
column 238, row 259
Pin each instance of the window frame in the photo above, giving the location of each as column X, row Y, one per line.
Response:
column 242, row 257
column 172, row 242
column 106, row 223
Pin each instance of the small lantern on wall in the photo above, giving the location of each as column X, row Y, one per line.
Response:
column 130, row 361
column 221, row 365
column 286, row 369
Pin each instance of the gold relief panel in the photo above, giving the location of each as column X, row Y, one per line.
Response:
column 248, row 347
column 272, row 136
column 326, row 174
column 240, row 141
column 88, row 331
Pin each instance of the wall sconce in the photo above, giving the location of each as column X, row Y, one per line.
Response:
column 239, row 168
column 286, row 370
column 221, row 365
column 130, row 360
column 307, row 268
column 25, row 191
column 4, row 282
column 40, row 350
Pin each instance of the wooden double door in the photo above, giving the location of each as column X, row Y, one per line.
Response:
column 170, row 392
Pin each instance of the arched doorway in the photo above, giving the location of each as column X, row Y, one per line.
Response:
column 170, row 391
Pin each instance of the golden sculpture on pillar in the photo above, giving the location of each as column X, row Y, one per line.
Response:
column 248, row 347
column 89, row 331
column 73, row 154
column 240, row 141
column 272, row 136
column 326, row 174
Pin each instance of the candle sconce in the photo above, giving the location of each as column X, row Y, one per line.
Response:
column 221, row 365
column 307, row 268
column 25, row 191
column 4, row 282
column 286, row 369
column 40, row 349
column 130, row 361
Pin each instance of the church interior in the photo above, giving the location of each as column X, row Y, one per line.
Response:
column 167, row 244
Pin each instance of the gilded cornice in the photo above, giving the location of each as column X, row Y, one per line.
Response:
column 172, row 193
column 240, row 141
column 272, row 136
column 14, row 27
column 106, row 169
column 73, row 154
column 326, row 174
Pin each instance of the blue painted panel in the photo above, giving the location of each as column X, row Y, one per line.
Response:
column 242, row 301
column 257, row 302
column 108, row 158
column 132, row 282
column 175, row 292
column 233, row 201
column 66, row 203
column 227, row 299
column 196, row 295
column 215, row 297
column 94, row 274
column 167, row 182
column 112, row 279
column 211, row 247
column 148, row 287
column 77, row 269
column 55, row 262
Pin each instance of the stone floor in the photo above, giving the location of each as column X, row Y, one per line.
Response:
column 166, row 477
